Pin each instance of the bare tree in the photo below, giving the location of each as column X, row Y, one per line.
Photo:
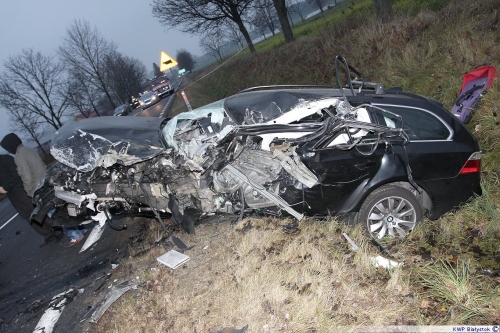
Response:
column 233, row 35
column 318, row 3
column 297, row 7
column 282, row 11
column 259, row 23
column 32, row 90
column 212, row 43
column 383, row 10
column 28, row 122
column 265, row 15
column 125, row 76
column 85, row 52
column 83, row 96
column 199, row 16
column 156, row 70
column 185, row 60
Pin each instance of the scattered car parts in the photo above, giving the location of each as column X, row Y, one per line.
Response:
column 96, row 312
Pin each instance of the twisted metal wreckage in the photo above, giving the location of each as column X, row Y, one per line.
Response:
column 211, row 164
column 235, row 156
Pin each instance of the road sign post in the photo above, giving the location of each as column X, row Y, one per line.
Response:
column 166, row 62
column 186, row 100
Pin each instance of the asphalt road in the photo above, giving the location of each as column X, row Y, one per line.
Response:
column 30, row 276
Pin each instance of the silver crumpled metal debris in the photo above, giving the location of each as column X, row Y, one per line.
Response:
column 94, row 314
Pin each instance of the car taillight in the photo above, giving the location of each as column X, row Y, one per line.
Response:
column 472, row 165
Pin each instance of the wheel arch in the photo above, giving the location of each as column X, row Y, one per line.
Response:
column 422, row 196
column 360, row 195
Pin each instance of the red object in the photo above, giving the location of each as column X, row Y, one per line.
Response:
column 472, row 165
column 480, row 72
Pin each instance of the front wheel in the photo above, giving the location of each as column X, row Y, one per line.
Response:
column 390, row 211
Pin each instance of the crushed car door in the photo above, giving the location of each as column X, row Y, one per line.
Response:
column 340, row 172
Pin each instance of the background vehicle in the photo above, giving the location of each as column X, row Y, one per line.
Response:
column 161, row 85
column 123, row 110
column 148, row 98
column 384, row 158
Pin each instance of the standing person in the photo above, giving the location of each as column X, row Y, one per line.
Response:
column 30, row 166
column 12, row 185
column 32, row 170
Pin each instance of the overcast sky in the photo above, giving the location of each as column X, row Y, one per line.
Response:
column 41, row 26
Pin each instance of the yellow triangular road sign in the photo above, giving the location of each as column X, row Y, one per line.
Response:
column 166, row 62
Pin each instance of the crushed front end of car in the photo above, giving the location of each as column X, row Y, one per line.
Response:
column 201, row 162
column 266, row 151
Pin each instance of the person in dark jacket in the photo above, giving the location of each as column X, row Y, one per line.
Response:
column 12, row 185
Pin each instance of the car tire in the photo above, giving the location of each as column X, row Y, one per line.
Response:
column 390, row 211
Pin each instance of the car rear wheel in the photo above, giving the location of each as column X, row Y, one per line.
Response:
column 390, row 211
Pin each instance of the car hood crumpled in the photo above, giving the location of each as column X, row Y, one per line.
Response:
column 104, row 141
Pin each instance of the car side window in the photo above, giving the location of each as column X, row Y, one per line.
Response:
column 418, row 123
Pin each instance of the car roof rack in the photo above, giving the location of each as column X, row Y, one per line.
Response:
column 286, row 86
column 376, row 86
column 359, row 80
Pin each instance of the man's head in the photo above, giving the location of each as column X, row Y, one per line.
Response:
column 10, row 142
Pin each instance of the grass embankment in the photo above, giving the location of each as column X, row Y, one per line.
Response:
column 314, row 282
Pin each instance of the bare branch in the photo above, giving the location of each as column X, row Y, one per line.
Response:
column 34, row 84
column 84, row 51
column 200, row 16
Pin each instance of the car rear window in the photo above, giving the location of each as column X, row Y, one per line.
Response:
column 419, row 124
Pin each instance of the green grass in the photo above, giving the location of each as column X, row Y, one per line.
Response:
column 461, row 298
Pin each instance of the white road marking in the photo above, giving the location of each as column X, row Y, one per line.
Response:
column 9, row 221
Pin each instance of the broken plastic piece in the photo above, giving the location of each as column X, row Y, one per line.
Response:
column 232, row 330
column 380, row 261
column 178, row 242
column 51, row 315
column 173, row 259
column 116, row 292
column 94, row 236
column 353, row 245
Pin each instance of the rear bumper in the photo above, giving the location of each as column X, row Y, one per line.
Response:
column 449, row 194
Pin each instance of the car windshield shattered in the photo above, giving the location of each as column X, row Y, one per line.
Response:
column 298, row 151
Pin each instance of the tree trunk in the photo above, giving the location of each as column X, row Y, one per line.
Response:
column 245, row 34
column 383, row 10
column 283, row 17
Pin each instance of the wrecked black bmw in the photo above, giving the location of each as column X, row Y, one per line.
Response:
column 385, row 158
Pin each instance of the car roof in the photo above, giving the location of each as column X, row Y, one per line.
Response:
column 272, row 100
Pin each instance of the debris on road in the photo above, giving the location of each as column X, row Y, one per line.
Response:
column 380, row 261
column 179, row 244
column 95, row 313
column 51, row 315
column 173, row 259
column 353, row 245
column 94, row 236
